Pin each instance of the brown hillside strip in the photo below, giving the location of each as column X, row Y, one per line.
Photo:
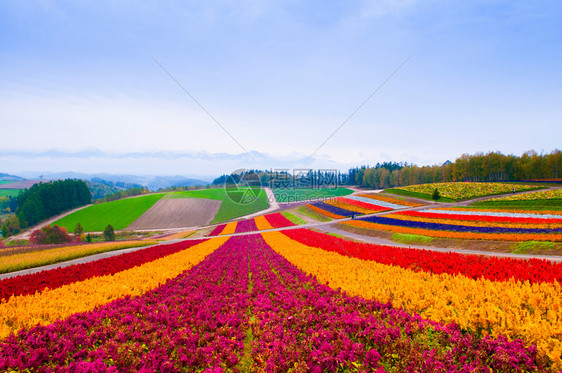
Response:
column 177, row 213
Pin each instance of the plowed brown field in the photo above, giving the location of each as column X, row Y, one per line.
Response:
column 177, row 213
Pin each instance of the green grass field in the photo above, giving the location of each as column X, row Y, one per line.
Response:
column 293, row 218
column 411, row 238
column 120, row 214
column 5, row 182
column 9, row 192
column 231, row 209
column 216, row 194
column 305, row 194
column 306, row 211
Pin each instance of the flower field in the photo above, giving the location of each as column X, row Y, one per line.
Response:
column 540, row 195
column 16, row 262
column 469, row 224
column 249, row 303
column 466, row 190
column 259, row 223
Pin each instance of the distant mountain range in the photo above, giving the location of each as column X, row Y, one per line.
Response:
column 8, row 177
column 151, row 182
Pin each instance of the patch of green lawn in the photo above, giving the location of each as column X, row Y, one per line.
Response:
column 407, row 193
column 9, row 192
column 215, row 193
column 305, row 194
column 313, row 214
column 293, row 218
column 234, row 205
column 411, row 238
column 529, row 247
column 120, row 214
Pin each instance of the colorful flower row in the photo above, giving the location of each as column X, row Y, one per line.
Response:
column 247, row 225
column 55, row 278
column 383, row 205
column 392, row 201
column 474, row 223
column 455, row 234
column 532, row 196
column 461, row 190
column 33, row 259
column 246, row 308
column 218, row 229
column 517, row 310
column 457, row 228
column 369, row 206
column 437, row 214
column 472, row 266
column 49, row 305
column 334, row 211
column 538, row 214
column 353, row 207
column 198, row 320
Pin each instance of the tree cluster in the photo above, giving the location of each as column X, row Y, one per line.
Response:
column 49, row 235
column 45, row 200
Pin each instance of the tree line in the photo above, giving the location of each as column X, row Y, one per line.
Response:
column 492, row 166
column 45, row 200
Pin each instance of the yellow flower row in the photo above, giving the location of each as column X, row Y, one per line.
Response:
column 545, row 194
column 457, row 235
column 50, row 305
column 262, row 223
column 476, row 223
column 230, row 228
column 514, row 309
column 350, row 207
column 33, row 259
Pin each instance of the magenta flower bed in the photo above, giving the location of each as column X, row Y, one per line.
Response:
column 247, row 308
column 217, row 230
column 246, row 226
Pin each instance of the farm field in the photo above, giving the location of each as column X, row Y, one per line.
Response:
column 284, row 195
column 432, row 311
column 9, row 192
column 541, row 200
column 120, row 214
column 456, row 191
column 230, row 209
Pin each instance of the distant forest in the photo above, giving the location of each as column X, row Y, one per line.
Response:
column 45, row 200
column 492, row 166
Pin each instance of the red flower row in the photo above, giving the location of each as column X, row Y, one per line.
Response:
column 473, row 266
column 54, row 278
column 278, row 221
column 364, row 205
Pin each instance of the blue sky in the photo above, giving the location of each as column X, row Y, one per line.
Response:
column 279, row 76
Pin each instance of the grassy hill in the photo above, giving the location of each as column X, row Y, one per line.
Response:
column 120, row 214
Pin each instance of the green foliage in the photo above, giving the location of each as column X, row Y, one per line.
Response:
column 531, row 246
column 49, row 235
column 411, row 238
column 230, row 209
column 9, row 192
column 305, row 194
column 78, row 230
column 313, row 214
column 214, row 193
column 293, row 218
column 88, row 237
column 435, row 196
column 120, row 214
column 108, row 233
column 11, row 226
column 45, row 200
